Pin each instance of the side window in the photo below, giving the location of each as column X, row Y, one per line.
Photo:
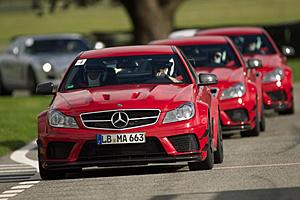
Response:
column 191, row 68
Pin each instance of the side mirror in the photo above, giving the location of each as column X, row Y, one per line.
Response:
column 288, row 50
column 99, row 45
column 45, row 88
column 254, row 63
column 208, row 79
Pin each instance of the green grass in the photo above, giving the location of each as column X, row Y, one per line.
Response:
column 18, row 120
column 295, row 64
column 104, row 17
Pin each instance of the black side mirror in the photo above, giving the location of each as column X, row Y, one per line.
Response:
column 288, row 50
column 208, row 79
column 254, row 63
column 45, row 88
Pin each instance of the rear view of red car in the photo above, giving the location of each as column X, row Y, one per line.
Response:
column 129, row 106
column 277, row 76
column 237, row 89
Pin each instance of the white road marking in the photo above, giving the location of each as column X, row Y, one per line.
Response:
column 7, row 195
column 15, row 171
column 12, row 165
column 20, row 155
column 21, row 187
column 4, row 199
column 29, row 182
column 257, row 166
column 12, row 191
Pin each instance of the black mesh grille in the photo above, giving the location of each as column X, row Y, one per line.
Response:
column 103, row 120
column 92, row 151
column 238, row 115
column 59, row 150
column 277, row 96
column 184, row 143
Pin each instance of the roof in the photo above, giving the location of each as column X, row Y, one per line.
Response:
column 192, row 40
column 128, row 51
column 231, row 31
column 53, row 36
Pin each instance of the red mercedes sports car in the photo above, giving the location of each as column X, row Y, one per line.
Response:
column 239, row 88
column 277, row 77
column 129, row 106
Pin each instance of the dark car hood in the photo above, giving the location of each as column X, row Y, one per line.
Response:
column 59, row 61
column 163, row 97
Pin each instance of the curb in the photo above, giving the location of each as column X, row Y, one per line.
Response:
column 19, row 155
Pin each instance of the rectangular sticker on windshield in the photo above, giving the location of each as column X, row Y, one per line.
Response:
column 80, row 62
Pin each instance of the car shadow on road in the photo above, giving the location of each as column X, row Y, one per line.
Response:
column 127, row 171
column 292, row 193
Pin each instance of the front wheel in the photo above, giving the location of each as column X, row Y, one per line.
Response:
column 262, row 123
column 51, row 174
column 218, row 154
column 288, row 111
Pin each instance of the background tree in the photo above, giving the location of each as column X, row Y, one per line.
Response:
column 151, row 19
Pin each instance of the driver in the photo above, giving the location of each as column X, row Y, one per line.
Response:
column 96, row 75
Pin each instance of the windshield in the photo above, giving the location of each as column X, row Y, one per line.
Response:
column 55, row 46
column 150, row 69
column 221, row 55
column 253, row 44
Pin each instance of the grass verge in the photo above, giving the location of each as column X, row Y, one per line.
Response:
column 18, row 124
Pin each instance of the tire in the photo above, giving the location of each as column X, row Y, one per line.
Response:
column 255, row 131
column 3, row 90
column 219, row 155
column 288, row 111
column 31, row 81
column 51, row 174
column 262, row 123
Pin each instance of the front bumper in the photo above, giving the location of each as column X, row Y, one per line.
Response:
column 83, row 151
column 238, row 113
column 278, row 95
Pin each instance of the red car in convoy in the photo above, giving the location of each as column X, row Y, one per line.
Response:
column 238, row 89
column 129, row 106
column 277, row 76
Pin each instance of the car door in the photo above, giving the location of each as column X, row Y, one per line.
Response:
column 13, row 67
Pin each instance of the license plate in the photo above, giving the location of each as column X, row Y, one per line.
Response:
column 123, row 138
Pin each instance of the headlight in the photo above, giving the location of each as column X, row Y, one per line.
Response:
column 235, row 91
column 184, row 112
column 273, row 76
column 58, row 119
column 47, row 67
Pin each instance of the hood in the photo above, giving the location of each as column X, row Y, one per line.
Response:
column 60, row 62
column 225, row 75
column 150, row 96
column 273, row 60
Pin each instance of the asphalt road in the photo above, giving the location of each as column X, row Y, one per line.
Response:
column 261, row 168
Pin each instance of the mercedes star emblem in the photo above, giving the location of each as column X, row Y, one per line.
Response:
column 119, row 119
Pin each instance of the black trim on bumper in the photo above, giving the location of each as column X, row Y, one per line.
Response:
column 236, row 128
column 121, row 162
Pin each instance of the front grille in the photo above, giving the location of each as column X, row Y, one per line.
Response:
column 184, row 143
column 109, row 120
column 92, row 151
column 238, row 115
column 277, row 95
column 59, row 150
